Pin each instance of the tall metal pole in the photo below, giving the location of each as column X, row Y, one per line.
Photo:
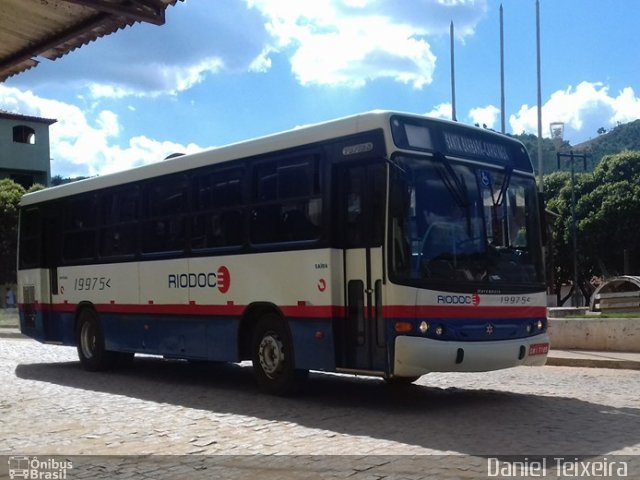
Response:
column 502, row 119
column 571, row 156
column 574, row 233
column 453, row 77
column 540, row 165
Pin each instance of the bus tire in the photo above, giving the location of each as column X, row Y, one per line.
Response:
column 90, row 343
column 272, row 357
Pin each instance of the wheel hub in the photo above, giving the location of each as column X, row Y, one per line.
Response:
column 271, row 355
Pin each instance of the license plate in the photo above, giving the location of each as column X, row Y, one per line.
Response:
column 539, row 349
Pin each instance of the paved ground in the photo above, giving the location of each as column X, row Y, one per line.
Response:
column 49, row 406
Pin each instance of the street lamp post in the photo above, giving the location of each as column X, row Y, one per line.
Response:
column 572, row 157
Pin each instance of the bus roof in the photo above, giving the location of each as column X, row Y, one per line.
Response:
column 307, row 134
column 300, row 136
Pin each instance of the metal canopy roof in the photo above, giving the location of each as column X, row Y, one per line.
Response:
column 53, row 28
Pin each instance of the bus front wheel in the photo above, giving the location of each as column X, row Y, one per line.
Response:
column 272, row 357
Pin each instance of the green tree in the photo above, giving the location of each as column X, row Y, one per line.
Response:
column 558, row 193
column 553, row 184
column 10, row 195
column 607, row 209
column 59, row 180
column 608, row 213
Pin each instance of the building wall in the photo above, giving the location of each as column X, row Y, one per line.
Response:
column 22, row 161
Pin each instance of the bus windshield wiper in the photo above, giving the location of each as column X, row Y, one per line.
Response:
column 508, row 170
column 456, row 186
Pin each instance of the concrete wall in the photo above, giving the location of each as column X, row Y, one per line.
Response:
column 608, row 334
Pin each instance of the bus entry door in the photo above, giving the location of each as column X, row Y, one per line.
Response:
column 362, row 190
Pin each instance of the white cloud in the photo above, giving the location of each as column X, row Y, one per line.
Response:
column 168, row 80
column 141, row 151
column 583, row 110
column 328, row 42
column 352, row 42
column 262, row 63
column 626, row 107
column 485, row 116
column 442, row 110
column 82, row 146
column 359, row 55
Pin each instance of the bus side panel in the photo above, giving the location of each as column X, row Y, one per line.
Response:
column 47, row 326
column 305, row 286
column 182, row 337
column 129, row 333
column 313, row 343
column 62, row 324
column 204, row 338
column 222, row 339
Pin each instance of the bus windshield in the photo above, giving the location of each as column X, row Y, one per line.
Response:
column 462, row 223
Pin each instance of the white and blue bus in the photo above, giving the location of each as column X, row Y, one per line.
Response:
column 383, row 244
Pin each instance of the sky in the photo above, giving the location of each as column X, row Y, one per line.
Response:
column 223, row 71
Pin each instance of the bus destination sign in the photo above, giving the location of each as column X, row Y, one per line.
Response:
column 465, row 145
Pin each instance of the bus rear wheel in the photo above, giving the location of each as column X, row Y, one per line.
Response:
column 272, row 357
column 90, row 344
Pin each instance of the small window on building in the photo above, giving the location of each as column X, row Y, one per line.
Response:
column 24, row 134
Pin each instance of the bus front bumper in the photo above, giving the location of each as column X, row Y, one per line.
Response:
column 415, row 356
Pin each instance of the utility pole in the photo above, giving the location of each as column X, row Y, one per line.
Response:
column 502, row 115
column 453, row 77
column 540, row 164
column 572, row 157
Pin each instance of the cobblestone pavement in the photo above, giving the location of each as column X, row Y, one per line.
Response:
column 49, row 406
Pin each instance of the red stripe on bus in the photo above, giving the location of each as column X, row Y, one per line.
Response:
column 302, row 310
column 429, row 311
column 438, row 311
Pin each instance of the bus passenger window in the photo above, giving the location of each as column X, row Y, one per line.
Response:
column 79, row 238
column 164, row 208
column 218, row 219
column 287, row 203
column 119, row 215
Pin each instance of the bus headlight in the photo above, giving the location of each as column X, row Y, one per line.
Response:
column 439, row 330
column 540, row 325
column 424, row 327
